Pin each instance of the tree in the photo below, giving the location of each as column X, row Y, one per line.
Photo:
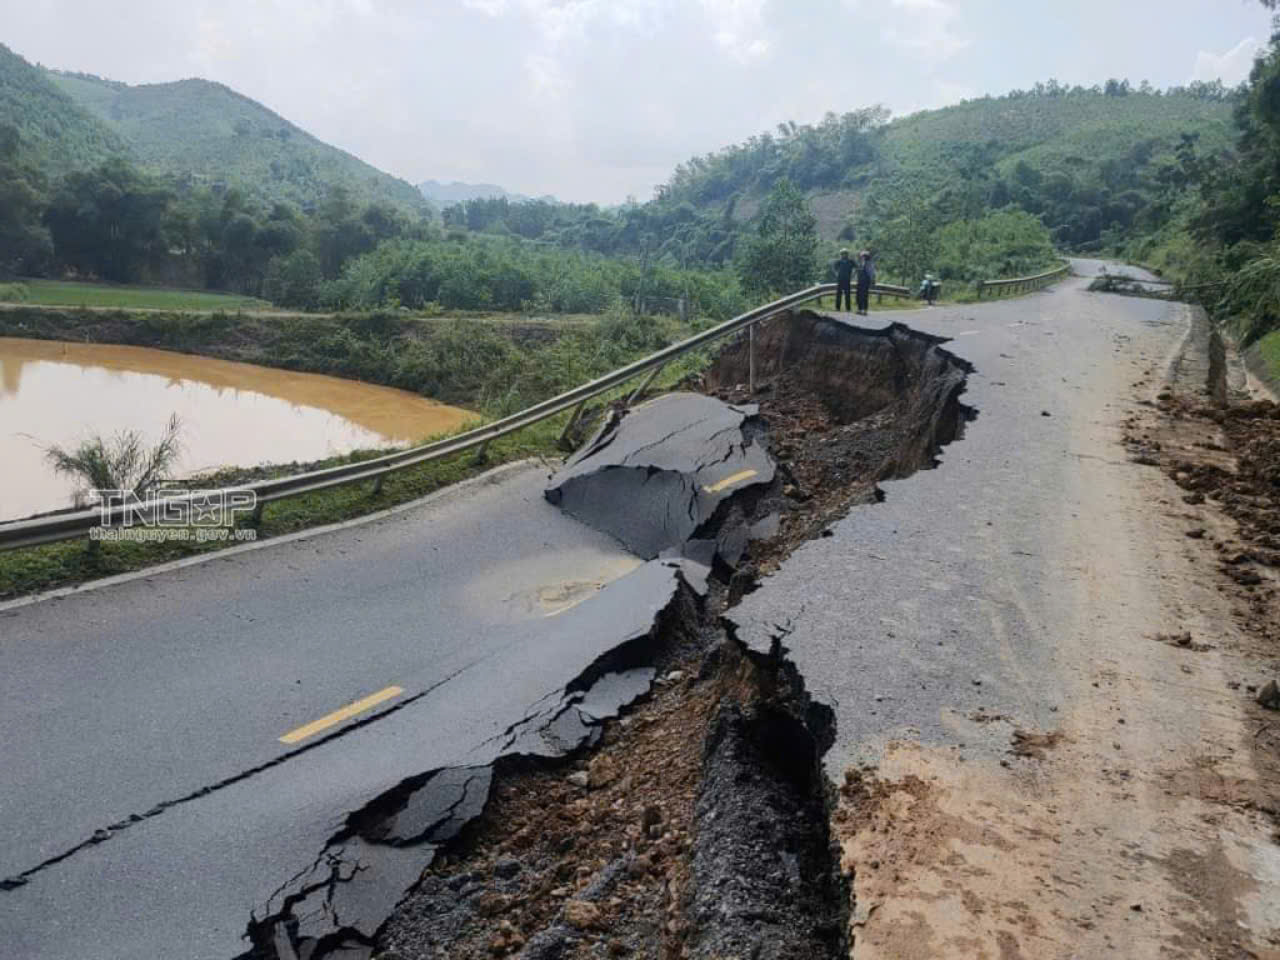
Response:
column 109, row 221
column 782, row 256
column 293, row 280
column 25, row 247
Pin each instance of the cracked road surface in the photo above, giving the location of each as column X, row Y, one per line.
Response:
column 149, row 714
column 1033, row 775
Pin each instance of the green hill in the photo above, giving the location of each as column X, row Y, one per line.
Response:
column 57, row 134
column 1084, row 160
column 210, row 134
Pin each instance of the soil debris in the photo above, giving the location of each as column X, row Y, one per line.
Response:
column 1034, row 745
column 1269, row 696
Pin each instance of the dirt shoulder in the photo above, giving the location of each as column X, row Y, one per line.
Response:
column 1145, row 824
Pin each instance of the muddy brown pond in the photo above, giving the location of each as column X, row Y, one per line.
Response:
column 232, row 413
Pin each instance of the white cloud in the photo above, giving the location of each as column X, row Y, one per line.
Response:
column 738, row 27
column 1231, row 68
column 926, row 28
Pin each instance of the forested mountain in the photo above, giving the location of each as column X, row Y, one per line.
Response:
column 984, row 188
column 1084, row 160
column 209, row 134
column 56, row 133
column 197, row 133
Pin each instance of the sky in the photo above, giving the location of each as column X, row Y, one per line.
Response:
column 598, row 100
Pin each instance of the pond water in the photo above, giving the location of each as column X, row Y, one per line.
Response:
column 233, row 414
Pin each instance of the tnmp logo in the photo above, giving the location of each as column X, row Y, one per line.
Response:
column 173, row 514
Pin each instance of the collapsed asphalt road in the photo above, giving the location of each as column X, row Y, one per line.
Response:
column 164, row 798
column 274, row 743
column 706, row 835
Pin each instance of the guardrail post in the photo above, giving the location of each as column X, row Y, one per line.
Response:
column 482, row 452
column 573, row 422
column 255, row 518
column 377, row 484
column 981, row 284
column 644, row 384
column 751, row 359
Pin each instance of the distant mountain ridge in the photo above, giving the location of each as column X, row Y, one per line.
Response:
column 443, row 194
column 195, row 130
column 211, row 133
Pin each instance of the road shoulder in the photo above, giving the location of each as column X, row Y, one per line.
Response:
column 1142, row 822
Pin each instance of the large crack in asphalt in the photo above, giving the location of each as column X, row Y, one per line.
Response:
column 652, row 487
column 765, row 876
column 337, row 904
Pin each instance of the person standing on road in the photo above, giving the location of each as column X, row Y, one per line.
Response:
column 866, row 280
column 843, row 269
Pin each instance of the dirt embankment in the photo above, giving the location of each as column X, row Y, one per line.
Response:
column 846, row 408
column 700, row 825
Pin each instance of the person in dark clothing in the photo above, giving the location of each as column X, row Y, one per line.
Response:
column 866, row 280
column 843, row 269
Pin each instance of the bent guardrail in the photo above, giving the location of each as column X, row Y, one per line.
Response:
column 1022, row 284
column 76, row 524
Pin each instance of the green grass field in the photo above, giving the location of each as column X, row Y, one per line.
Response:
column 68, row 293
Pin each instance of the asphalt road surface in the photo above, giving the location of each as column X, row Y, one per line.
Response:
column 951, row 570
column 186, row 749
column 116, row 701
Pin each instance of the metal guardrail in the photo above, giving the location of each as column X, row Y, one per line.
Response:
column 1021, row 284
column 882, row 290
column 75, row 524
column 889, row 290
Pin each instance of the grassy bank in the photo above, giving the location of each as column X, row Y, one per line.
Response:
column 1264, row 360
column 67, row 293
column 490, row 368
column 493, row 368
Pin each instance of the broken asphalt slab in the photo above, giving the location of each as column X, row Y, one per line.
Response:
column 655, row 477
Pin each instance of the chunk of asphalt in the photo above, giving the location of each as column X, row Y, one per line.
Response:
column 661, row 471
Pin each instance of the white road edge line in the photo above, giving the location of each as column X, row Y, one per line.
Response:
column 489, row 476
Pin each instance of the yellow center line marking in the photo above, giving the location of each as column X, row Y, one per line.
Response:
column 346, row 713
column 730, row 481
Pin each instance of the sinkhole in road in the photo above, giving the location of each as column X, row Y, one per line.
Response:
column 672, row 803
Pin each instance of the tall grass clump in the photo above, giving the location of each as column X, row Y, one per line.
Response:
column 125, row 461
